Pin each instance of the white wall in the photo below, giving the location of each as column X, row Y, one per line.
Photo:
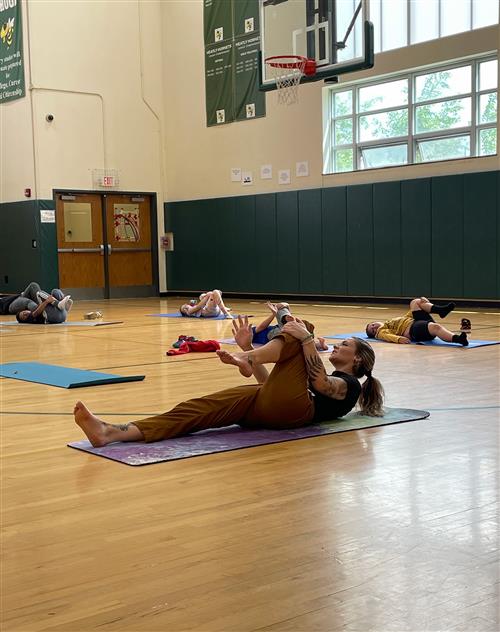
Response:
column 96, row 67
column 199, row 159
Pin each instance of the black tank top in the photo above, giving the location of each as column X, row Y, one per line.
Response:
column 326, row 408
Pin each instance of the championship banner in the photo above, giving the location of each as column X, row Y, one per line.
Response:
column 11, row 51
column 232, row 46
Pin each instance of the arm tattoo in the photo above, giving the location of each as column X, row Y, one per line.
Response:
column 315, row 367
column 123, row 427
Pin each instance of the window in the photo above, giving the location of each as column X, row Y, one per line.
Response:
column 440, row 114
column 400, row 23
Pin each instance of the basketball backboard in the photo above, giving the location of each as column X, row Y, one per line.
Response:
column 337, row 34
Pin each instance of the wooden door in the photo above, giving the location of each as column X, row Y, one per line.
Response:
column 80, row 245
column 128, row 245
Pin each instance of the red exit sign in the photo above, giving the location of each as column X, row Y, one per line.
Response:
column 108, row 181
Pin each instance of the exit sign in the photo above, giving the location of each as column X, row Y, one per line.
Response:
column 106, row 178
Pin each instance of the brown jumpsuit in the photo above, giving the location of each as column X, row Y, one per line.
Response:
column 283, row 401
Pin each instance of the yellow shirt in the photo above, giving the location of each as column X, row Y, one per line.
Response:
column 392, row 330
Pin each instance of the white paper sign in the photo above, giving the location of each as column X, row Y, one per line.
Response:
column 246, row 178
column 266, row 172
column 249, row 25
column 48, row 217
column 301, row 169
column 284, row 176
column 235, row 174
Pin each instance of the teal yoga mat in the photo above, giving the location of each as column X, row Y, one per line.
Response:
column 61, row 376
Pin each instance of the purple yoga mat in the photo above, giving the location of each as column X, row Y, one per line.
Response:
column 235, row 438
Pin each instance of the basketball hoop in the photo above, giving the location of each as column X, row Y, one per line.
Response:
column 287, row 71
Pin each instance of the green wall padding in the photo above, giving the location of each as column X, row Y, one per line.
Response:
column 447, row 194
column 287, row 241
column 20, row 260
column 416, row 230
column 310, row 259
column 435, row 237
column 334, row 240
column 387, row 239
column 49, row 268
column 480, row 268
column 266, row 272
column 360, row 240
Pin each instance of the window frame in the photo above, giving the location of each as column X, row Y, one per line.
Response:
column 412, row 138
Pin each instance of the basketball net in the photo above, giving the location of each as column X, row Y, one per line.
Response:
column 287, row 71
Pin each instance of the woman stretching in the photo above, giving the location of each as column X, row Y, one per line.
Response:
column 297, row 392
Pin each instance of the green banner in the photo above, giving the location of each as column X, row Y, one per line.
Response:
column 232, row 47
column 249, row 101
column 219, row 83
column 246, row 17
column 217, row 21
column 11, row 51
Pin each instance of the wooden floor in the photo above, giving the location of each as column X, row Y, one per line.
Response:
column 386, row 529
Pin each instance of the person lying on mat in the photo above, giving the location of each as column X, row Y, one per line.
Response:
column 417, row 325
column 209, row 305
column 264, row 331
column 296, row 393
column 34, row 306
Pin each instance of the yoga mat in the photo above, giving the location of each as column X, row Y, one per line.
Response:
column 72, row 323
column 64, row 377
column 430, row 343
column 235, row 438
column 178, row 315
column 232, row 341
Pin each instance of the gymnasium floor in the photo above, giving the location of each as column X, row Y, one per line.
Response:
column 386, row 529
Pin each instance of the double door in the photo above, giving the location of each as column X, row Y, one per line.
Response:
column 104, row 245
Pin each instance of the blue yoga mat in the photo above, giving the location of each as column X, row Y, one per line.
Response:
column 64, row 377
column 178, row 315
column 235, row 438
column 430, row 343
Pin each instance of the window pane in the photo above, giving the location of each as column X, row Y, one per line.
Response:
column 487, row 108
column 455, row 16
column 394, row 30
column 446, row 115
column 343, row 160
column 424, row 20
column 443, row 148
column 484, row 12
column 384, row 125
column 343, row 132
column 487, row 142
column 384, row 95
column 488, row 75
column 374, row 157
column 344, row 15
column 375, row 17
column 342, row 103
column 445, row 83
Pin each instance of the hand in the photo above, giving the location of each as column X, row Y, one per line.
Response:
column 404, row 341
column 296, row 328
column 272, row 307
column 242, row 332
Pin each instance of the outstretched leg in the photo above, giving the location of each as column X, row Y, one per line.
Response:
column 446, row 335
column 100, row 433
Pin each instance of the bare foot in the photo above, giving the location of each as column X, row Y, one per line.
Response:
column 238, row 360
column 321, row 344
column 92, row 426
